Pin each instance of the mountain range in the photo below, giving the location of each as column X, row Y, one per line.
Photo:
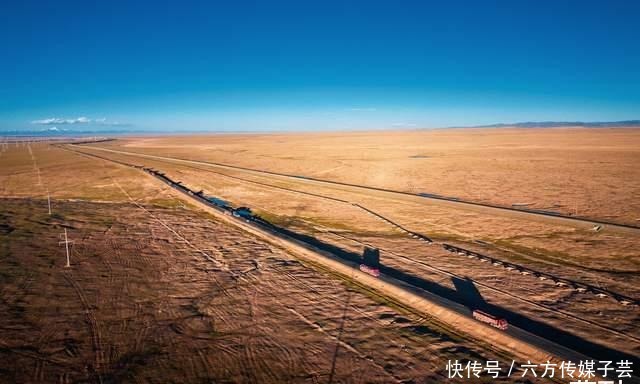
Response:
column 550, row 124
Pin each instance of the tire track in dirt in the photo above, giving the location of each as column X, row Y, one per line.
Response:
column 206, row 364
column 278, row 351
column 45, row 339
column 262, row 371
column 309, row 287
column 32, row 355
column 220, row 264
column 343, row 344
column 316, row 326
column 94, row 328
column 285, row 357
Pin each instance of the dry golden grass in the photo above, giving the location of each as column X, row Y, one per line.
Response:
column 606, row 258
column 32, row 170
column 594, row 172
column 139, row 304
column 603, row 258
column 537, row 241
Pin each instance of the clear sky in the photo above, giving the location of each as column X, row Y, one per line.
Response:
column 308, row 65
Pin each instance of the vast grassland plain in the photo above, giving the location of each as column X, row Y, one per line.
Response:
column 160, row 290
column 591, row 172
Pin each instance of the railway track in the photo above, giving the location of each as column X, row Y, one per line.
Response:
column 559, row 281
column 410, row 233
column 446, row 273
column 452, row 200
column 388, row 278
column 523, row 270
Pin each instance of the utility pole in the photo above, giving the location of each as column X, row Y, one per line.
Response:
column 49, row 201
column 66, row 243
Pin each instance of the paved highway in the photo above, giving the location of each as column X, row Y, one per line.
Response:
column 575, row 221
column 514, row 340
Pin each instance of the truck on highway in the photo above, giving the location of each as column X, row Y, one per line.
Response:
column 490, row 319
column 243, row 212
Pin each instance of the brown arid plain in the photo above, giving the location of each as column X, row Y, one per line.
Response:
column 162, row 291
column 591, row 172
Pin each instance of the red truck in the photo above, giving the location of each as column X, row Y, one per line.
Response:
column 490, row 319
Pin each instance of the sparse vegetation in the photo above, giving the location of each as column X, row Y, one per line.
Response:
column 132, row 270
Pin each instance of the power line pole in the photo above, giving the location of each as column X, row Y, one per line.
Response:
column 66, row 243
column 49, row 201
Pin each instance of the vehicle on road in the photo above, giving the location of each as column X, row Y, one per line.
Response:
column 243, row 212
column 490, row 319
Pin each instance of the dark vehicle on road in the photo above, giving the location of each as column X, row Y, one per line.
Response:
column 244, row 212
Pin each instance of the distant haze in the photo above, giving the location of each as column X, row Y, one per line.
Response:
column 129, row 131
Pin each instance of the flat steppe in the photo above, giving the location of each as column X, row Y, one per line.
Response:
column 502, row 166
column 577, row 171
column 159, row 291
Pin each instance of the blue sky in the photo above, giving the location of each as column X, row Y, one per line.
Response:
column 309, row 65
